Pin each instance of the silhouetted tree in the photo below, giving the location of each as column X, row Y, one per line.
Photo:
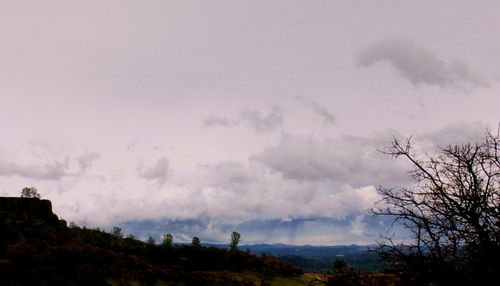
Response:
column 30, row 192
column 196, row 242
column 452, row 211
column 167, row 240
column 339, row 266
column 117, row 231
column 235, row 239
column 151, row 241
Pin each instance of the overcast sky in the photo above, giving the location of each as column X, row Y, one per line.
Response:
column 203, row 117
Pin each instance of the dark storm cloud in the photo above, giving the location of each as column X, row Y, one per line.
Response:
column 158, row 172
column 417, row 63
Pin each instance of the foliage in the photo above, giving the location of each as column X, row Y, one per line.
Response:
column 235, row 239
column 167, row 240
column 452, row 211
column 117, row 231
column 196, row 242
column 151, row 241
column 339, row 266
column 30, row 192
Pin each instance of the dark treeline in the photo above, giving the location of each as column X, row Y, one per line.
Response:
column 38, row 249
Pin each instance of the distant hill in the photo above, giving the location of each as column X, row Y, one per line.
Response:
column 318, row 258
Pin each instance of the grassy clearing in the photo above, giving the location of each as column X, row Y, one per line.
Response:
column 303, row 280
column 236, row 278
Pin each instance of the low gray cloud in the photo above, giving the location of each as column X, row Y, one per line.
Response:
column 260, row 123
column 452, row 134
column 86, row 160
column 56, row 169
column 228, row 173
column 417, row 63
column 349, row 159
column 159, row 172
column 50, row 171
column 212, row 121
column 318, row 109
column 263, row 123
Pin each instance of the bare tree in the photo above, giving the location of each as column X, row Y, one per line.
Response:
column 452, row 210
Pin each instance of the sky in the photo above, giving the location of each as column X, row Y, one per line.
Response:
column 199, row 118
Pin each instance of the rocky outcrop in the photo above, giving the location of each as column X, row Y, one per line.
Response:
column 27, row 209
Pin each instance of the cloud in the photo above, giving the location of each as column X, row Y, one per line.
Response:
column 159, row 172
column 212, row 121
column 293, row 186
column 225, row 193
column 86, row 160
column 263, row 123
column 320, row 110
column 358, row 226
column 417, row 64
column 50, row 171
column 40, row 160
column 212, row 199
column 348, row 159
column 229, row 172
column 254, row 119
column 451, row 134
column 236, row 192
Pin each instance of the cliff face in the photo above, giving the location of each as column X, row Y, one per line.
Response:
column 27, row 209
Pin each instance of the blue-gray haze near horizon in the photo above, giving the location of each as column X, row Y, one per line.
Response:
column 201, row 118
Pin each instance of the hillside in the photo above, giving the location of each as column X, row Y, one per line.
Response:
column 37, row 248
column 321, row 258
column 317, row 259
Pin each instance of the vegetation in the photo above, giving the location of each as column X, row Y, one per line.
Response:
column 235, row 239
column 196, row 242
column 339, row 266
column 36, row 248
column 319, row 259
column 452, row 211
column 30, row 192
column 167, row 240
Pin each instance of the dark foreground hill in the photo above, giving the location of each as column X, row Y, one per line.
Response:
column 36, row 248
